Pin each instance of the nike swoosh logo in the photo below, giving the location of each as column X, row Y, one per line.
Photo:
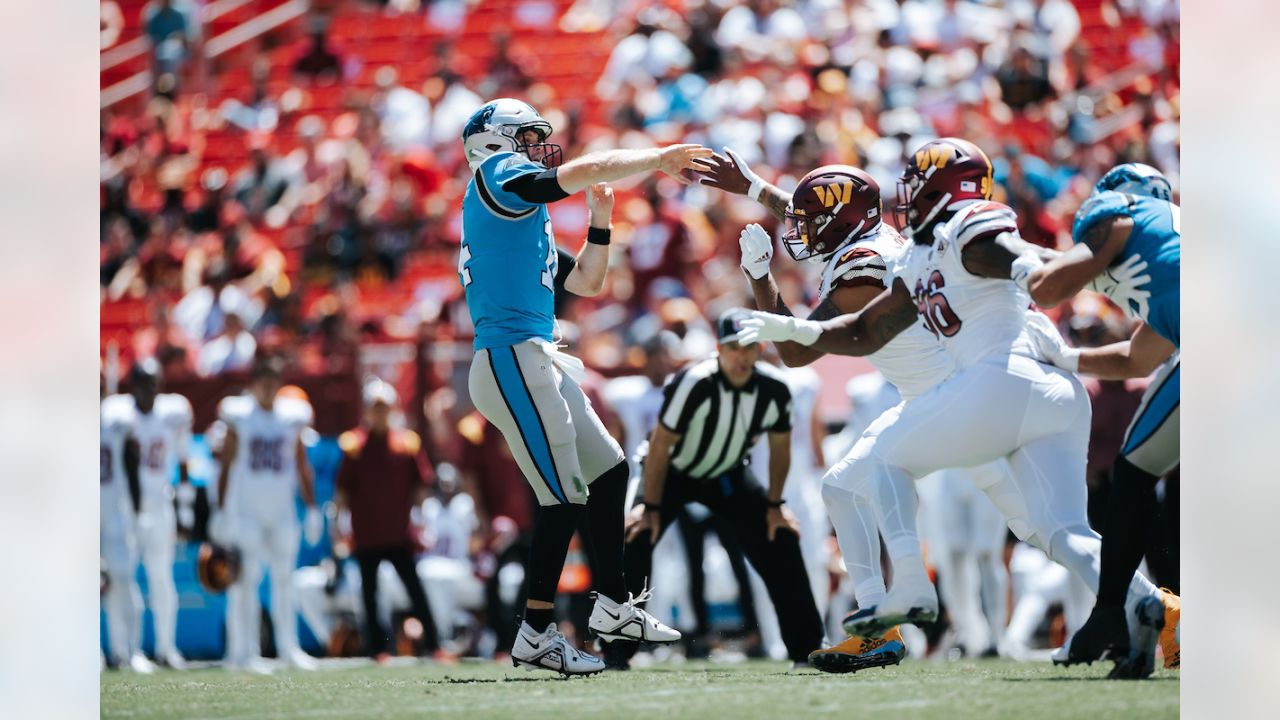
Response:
column 534, row 645
column 615, row 617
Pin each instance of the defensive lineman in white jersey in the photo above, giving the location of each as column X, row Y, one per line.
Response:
column 264, row 465
column 835, row 214
column 162, row 429
column 118, row 498
column 956, row 278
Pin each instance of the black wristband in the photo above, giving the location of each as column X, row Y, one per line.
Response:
column 776, row 503
column 598, row 236
column 647, row 506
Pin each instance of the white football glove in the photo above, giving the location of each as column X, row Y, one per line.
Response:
column 757, row 250
column 313, row 525
column 757, row 182
column 763, row 326
column 1123, row 284
column 1048, row 342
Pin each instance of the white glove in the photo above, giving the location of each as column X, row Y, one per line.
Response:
column 313, row 525
column 1048, row 342
column 763, row 326
column 757, row 250
column 757, row 182
column 220, row 528
column 1123, row 284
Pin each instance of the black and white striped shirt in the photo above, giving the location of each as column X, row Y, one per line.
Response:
column 717, row 422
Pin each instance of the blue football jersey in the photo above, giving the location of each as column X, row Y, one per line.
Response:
column 1156, row 238
column 507, row 263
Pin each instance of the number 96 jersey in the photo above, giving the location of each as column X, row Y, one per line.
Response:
column 973, row 317
column 265, row 466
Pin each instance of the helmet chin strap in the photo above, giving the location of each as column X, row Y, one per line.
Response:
column 946, row 200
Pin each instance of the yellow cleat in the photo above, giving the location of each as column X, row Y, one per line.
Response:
column 1169, row 645
column 860, row 653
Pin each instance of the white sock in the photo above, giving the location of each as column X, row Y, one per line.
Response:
column 854, row 521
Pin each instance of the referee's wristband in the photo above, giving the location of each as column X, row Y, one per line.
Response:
column 776, row 503
column 598, row 236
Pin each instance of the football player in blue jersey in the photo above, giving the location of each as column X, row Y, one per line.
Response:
column 1128, row 243
column 524, row 385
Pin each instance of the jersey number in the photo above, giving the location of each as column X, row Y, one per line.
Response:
column 548, row 271
column 934, row 308
column 266, row 454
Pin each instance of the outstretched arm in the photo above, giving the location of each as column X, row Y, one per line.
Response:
column 729, row 173
column 1000, row 256
column 1137, row 357
column 1064, row 276
column 860, row 333
column 607, row 166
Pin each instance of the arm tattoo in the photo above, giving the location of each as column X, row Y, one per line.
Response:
column 898, row 319
column 775, row 201
column 825, row 311
column 767, row 296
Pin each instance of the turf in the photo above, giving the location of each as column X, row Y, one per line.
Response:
column 986, row 690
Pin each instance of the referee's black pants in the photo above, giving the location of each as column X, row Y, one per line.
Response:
column 739, row 499
column 401, row 558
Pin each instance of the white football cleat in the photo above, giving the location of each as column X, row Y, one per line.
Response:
column 173, row 660
column 626, row 621
column 140, row 664
column 549, row 650
column 299, row 659
column 902, row 605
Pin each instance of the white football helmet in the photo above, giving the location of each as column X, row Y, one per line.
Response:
column 496, row 127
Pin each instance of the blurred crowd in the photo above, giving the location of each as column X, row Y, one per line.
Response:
column 266, row 216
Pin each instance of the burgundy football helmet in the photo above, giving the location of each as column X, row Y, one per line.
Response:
column 217, row 567
column 830, row 205
column 942, row 172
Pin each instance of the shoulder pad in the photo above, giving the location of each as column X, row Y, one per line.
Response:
column 351, row 443
column 117, row 410
column 860, row 265
column 294, row 411
column 234, row 408
column 983, row 219
column 1097, row 208
column 174, row 408
column 406, row 441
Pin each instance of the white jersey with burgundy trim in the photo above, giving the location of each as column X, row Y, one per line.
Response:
column 116, row 416
column 265, row 466
column 973, row 317
column 164, row 439
column 913, row 361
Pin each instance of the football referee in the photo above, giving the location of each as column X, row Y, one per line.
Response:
column 712, row 414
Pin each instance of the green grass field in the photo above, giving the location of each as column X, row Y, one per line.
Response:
column 985, row 690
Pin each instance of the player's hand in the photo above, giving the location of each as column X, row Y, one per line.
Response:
column 645, row 521
column 729, row 173
column 675, row 159
column 763, row 326
column 757, row 250
column 1048, row 343
column 1124, row 285
column 600, row 203
column 780, row 518
column 313, row 525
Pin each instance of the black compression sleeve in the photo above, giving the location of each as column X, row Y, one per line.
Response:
column 541, row 188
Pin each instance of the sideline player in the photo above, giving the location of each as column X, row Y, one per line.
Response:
column 118, row 498
column 162, row 428
column 263, row 463
column 1129, row 222
column 524, row 385
column 956, row 277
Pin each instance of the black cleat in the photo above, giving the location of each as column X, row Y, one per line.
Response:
column 1105, row 635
